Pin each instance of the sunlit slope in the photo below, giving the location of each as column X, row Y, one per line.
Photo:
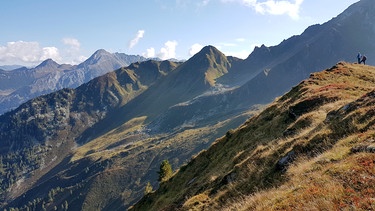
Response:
column 311, row 148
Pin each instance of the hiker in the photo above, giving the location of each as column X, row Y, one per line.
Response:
column 364, row 58
column 359, row 57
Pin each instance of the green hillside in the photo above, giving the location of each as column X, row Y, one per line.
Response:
column 313, row 148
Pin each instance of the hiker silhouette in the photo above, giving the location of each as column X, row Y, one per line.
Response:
column 359, row 57
column 364, row 58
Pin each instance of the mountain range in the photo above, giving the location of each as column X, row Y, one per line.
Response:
column 22, row 84
column 96, row 146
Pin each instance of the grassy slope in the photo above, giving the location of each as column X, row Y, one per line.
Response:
column 135, row 157
column 325, row 125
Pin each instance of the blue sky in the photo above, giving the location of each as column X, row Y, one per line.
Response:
column 69, row 31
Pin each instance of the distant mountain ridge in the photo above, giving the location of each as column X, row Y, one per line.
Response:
column 10, row 67
column 22, row 84
column 97, row 146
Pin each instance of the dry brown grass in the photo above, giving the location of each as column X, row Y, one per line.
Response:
column 324, row 125
column 335, row 180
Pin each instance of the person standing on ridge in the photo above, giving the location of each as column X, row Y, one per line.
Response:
column 359, row 57
column 364, row 58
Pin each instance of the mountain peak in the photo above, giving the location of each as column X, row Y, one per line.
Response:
column 209, row 49
column 207, row 52
column 48, row 63
column 101, row 52
column 209, row 63
column 98, row 55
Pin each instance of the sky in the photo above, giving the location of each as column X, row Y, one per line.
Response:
column 69, row 31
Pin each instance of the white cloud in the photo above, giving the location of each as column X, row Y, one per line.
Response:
column 72, row 52
column 150, row 53
column 168, row 51
column 138, row 36
column 32, row 53
column 273, row 7
column 195, row 49
column 72, row 42
column 27, row 53
column 50, row 52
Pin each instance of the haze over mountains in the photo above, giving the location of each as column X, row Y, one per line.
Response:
column 19, row 85
column 96, row 146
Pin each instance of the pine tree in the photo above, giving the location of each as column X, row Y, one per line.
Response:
column 165, row 171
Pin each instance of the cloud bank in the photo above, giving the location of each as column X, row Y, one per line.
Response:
column 21, row 52
column 32, row 53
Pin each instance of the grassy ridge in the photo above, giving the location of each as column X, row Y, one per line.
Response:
column 319, row 125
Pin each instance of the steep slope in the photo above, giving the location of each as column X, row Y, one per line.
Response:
column 38, row 137
column 18, row 86
column 301, row 151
